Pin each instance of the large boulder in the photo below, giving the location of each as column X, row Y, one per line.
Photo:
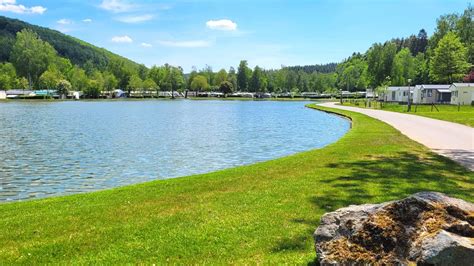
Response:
column 425, row 228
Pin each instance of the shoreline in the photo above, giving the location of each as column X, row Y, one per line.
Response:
column 273, row 206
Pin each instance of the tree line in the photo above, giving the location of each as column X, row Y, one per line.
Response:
column 445, row 57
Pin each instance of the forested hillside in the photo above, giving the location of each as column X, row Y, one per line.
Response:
column 33, row 57
column 77, row 51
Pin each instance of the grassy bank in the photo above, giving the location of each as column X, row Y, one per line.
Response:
column 262, row 213
column 463, row 115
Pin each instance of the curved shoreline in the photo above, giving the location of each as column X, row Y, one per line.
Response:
column 345, row 116
column 285, row 137
column 260, row 213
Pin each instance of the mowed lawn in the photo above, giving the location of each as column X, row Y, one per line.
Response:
column 262, row 213
column 462, row 115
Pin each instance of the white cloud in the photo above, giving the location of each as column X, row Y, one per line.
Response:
column 87, row 20
column 12, row 6
column 222, row 24
column 122, row 39
column 146, row 45
column 135, row 19
column 186, row 44
column 64, row 21
column 116, row 6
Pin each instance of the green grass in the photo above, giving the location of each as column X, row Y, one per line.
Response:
column 465, row 115
column 262, row 213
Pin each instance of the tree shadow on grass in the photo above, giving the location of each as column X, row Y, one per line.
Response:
column 378, row 179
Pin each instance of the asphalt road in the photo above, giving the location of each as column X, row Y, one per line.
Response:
column 452, row 140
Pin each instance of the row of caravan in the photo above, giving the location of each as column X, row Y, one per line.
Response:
column 456, row 93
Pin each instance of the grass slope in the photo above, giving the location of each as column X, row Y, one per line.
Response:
column 465, row 115
column 265, row 212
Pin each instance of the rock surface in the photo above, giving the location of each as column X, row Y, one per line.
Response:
column 425, row 228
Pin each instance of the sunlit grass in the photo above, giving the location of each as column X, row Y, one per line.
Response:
column 262, row 213
column 463, row 114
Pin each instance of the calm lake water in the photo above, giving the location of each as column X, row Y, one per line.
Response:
column 57, row 148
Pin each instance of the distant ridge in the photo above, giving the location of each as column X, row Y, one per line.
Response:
column 77, row 51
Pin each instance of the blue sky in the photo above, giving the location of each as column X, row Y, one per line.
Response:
column 268, row 33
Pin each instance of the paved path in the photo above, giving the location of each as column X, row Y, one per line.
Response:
column 452, row 140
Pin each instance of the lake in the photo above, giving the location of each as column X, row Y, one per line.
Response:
column 57, row 148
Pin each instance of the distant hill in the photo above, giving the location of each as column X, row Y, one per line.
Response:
column 325, row 68
column 77, row 51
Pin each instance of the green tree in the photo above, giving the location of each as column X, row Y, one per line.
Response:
column 257, row 82
column 232, row 77
column 449, row 61
column 226, row 87
column 421, row 69
column 403, row 68
column 78, row 79
column 190, row 78
column 176, row 78
column 110, row 81
column 352, row 74
column 31, row 56
column 220, row 77
column 50, row 78
column 63, row 87
column 95, row 85
column 209, row 74
column 149, row 84
column 8, row 79
column 380, row 61
column 243, row 76
column 199, row 83
column 136, row 83
column 465, row 31
column 22, row 83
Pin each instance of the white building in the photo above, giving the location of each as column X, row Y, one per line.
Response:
column 398, row 94
column 462, row 93
column 428, row 93
column 3, row 95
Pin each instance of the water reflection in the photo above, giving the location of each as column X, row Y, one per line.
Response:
column 61, row 148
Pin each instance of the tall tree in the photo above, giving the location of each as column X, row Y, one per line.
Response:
column 63, row 87
column 110, row 81
column 220, row 77
column 257, row 82
column 403, row 68
column 243, row 76
column 226, row 88
column 31, row 56
column 465, row 31
column 199, row 83
column 8, row 78
column 136, row 83
column 422, row 70
column 421, row 42
column 49, row 79
column 352, row 74
column 449, row 61
column 232, row 77
column 380, row 61
column 78, row 79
